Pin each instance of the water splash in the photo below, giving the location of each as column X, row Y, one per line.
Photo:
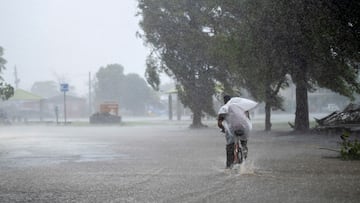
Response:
column 246, row 168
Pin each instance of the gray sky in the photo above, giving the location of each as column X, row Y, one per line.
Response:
column 51, row 39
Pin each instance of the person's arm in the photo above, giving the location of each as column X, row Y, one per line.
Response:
column 247, row 113
column 220, row 120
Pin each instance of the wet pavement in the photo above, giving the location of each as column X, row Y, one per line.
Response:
column 169, row 163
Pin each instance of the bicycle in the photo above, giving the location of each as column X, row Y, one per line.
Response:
column 240, row 149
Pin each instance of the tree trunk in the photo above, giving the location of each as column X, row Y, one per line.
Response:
column 302, row 107
column 170, row 108
column 196, row 123
column 267, row 116
column 268, row 102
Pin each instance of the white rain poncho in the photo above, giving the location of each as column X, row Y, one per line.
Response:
column 235, row 117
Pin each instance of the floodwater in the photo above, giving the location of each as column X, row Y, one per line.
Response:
column 169, row 163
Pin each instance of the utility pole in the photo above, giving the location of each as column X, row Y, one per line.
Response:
column 89, row 93
column 17, row 80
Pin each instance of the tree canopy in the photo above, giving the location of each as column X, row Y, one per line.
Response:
column 317, row 52
column 2, row 61
column 249, row 49
column 130, row 91
column 6, row 90
column 174, row 30
column 256, row 45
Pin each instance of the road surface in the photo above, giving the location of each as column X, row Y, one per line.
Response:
column 169, row 163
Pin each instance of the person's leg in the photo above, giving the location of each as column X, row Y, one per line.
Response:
column 229, row 155
column 244, row 147
column 229, row 149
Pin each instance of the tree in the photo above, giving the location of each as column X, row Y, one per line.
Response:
column 2, row 61
column 137, row 94
column 317, row 43
column 6, row 90
column 226, row 48
column 45, row 88
column 174, row 30
column 338, row 39
column 130, row 91
column 242, row 48
column 109, row 83
column 322, row 49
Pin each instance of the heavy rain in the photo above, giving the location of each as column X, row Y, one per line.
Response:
column 133, row 101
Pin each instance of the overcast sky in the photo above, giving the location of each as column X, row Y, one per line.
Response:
column 51, row 39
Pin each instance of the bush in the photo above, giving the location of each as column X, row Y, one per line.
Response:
column 350, row 148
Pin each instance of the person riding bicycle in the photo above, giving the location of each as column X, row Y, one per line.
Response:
column 235, row 123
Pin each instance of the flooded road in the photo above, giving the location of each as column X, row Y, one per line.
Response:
column 168, row 163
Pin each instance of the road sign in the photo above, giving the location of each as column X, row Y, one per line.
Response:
column 64, row 87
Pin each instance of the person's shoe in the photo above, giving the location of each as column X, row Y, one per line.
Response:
column 244, row 149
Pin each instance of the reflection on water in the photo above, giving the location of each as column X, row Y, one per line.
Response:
column 33, row 152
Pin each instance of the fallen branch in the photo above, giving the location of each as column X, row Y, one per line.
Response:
column 329, row 149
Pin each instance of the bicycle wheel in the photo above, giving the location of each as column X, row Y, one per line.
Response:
column 240, row 154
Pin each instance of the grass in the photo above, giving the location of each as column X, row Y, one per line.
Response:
column 283, row 126
column 133, row 123
column 257, row 125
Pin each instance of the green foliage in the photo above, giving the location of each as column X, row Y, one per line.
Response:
column 2, row 60
column 137, row 94
column 130, row 91
column 350, row 149
column 109, row 83
column 254, row 44
column 6, row 90
column 152, row 73
column 175, row 31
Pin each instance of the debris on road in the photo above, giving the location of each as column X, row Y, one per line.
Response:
column 348, row 119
